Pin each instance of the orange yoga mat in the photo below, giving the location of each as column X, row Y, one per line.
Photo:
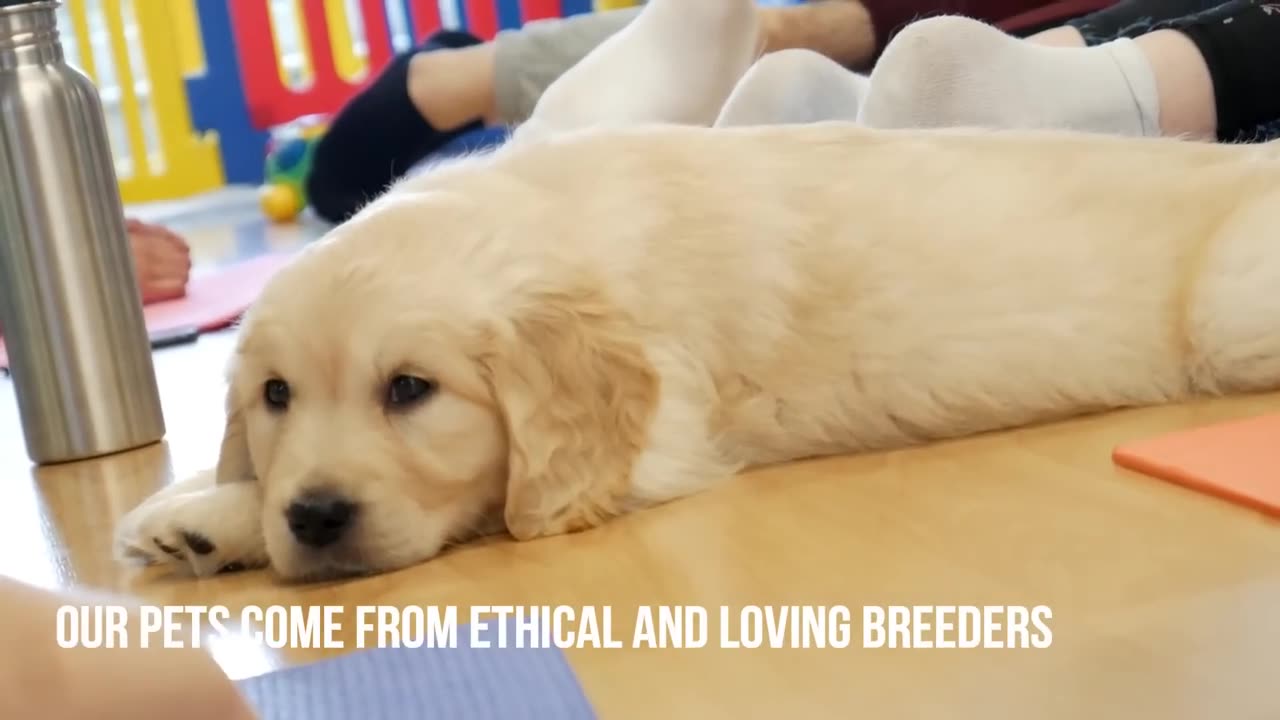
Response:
column 213, row 301
column 1238, row 461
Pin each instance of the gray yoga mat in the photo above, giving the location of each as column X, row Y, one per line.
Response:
column 462, row 683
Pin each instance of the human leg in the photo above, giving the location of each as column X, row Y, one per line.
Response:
column 889, row 17
column 378, row 136
column 1203, row 76
column 1182, row 77
column 676, row 62
column 802, row 87
column 1127, row 18
column 955, row 71
column 1216, row 66
column 431, row 95
column 794, row 87
column 527, row 61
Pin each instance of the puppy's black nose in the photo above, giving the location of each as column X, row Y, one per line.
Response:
column 317, row 519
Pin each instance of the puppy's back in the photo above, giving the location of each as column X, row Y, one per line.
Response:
column 848, row 289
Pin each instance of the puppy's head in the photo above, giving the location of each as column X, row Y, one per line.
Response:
column 417, row 379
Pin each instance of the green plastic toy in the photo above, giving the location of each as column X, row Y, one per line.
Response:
column 283, row 195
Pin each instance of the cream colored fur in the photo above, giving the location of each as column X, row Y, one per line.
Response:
column 621, row 317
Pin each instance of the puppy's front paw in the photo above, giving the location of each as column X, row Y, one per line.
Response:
column 206, row 530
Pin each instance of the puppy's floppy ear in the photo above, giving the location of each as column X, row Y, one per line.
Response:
column 577, row 394
column 234, row 463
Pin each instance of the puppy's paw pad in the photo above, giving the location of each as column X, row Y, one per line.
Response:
column 143, row 538
column 220, row 531
column 197, row 543
column 141, row 532
column 130, row 553
column 168, row 549
column 206, row 532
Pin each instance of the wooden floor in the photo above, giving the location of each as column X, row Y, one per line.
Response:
column 1166, row 604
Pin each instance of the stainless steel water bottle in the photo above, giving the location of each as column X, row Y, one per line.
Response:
column 70, row 309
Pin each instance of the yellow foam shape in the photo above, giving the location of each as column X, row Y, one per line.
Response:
column 186, row 25
column 349, row 65
column 186, row 163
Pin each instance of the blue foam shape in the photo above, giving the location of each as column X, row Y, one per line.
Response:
column 418, row 683
column 576, row 7
column 510, row 15
column 216, row 98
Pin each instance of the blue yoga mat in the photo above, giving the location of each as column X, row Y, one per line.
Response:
column 461, row 683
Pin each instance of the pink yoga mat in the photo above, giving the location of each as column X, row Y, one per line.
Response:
column 213, row 301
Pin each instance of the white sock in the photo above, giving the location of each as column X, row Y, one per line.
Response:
column 953, row 71
column 676, row 62
column 792, row 87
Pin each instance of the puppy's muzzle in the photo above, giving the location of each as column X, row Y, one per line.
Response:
column 319, row 518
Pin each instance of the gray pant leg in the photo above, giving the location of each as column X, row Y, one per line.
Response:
column 528, row 60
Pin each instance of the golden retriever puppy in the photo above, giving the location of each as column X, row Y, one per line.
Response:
column 599, row 318
column 570, row 329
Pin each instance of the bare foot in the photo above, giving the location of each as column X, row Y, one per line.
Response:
column 162, row 261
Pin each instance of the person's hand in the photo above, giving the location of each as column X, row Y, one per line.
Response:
column 39, row 679
column 161, row 259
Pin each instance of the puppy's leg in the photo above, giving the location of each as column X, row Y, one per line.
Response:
column 794, row 87
column 195, row 483
column 128, row 527
column 197, row 525
column 676, row 62
column 1234, row 304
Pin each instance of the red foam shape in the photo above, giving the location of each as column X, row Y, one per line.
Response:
column 539, row 9
column 482, row 18
column 376, row 33
column 426, row 17
column 270, row 102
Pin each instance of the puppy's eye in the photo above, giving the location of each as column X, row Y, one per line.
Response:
column 406, row 390
column 275, row 393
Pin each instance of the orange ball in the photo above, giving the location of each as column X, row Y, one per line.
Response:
column 280, row 203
